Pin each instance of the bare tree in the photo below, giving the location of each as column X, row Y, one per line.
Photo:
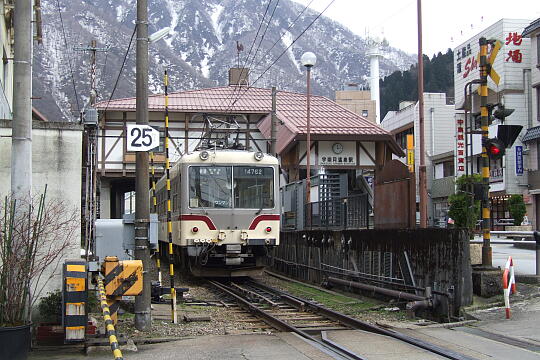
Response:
column 31, row 250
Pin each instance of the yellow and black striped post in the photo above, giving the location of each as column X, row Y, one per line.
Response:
column 484, row 113
column 154, row 210
column 169, row 215
column 109, row 327
column 121, row 278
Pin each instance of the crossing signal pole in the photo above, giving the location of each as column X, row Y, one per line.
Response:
column 484, row 116
column 492, row 148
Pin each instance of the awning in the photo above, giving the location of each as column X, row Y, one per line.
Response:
column 531, row 134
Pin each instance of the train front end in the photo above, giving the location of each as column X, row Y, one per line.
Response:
column 229, row 217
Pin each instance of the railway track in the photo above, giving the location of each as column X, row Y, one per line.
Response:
column 311, row 320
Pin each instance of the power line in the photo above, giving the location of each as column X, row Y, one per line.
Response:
column 281, row 37
column 121, row 68
column 69, row 60
column 264, row 34
column 284, row 51
column 252, row 44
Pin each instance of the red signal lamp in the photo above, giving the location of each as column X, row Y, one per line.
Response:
column 268, row 229
column 195, row 230
column 495, row 148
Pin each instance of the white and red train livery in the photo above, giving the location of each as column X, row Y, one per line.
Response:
column 225, row 211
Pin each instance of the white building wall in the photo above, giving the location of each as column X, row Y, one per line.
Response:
column 509, row 91
column 56, row 162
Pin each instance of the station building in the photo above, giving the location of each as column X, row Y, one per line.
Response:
column 343, row 142
column 513, row 64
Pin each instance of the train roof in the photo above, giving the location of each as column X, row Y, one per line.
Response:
column 240, row 157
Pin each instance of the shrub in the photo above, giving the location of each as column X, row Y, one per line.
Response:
column 516, row 207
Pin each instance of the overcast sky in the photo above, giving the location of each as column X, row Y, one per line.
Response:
column 446, row 24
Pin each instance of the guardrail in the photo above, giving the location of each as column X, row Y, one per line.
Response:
column 521, row 234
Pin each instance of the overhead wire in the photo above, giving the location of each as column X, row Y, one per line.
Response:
column 264, row 34
column 252, row 44
column 121, row 68
column 69, row 59
column 279, row 57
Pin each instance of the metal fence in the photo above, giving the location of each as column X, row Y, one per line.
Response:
column 352, row 212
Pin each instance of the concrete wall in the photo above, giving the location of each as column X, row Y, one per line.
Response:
column 357, row 101
column 439, row 258
column 56, row 162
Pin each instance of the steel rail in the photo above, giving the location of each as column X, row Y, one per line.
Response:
column 361, row 325
column 282, row 325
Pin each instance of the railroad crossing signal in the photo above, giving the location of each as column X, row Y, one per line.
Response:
column 490, row 71
column 141, row 137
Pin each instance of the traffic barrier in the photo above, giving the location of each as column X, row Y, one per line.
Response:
column 111, row 333
column 509, row 284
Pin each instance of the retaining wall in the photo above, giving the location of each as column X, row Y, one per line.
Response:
column 438, row 258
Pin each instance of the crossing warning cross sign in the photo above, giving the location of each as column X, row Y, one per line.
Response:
column 141, row 138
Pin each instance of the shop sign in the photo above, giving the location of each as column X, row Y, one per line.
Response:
column 460, row 147
column 519, row 160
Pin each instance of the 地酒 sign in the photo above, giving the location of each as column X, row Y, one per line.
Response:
column 141, row 137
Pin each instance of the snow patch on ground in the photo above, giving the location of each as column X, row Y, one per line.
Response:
column 172, row 6
column 287, row 40
column 217, row 9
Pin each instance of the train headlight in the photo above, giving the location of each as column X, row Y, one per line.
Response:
column 195, row 230
column 204, row 155
column 259, row 155
column 268, row 229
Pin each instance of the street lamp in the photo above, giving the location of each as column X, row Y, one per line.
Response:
column 308, row 59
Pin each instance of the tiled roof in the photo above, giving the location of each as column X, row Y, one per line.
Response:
column 326, row 116
column 532, row 27
column 531, row 134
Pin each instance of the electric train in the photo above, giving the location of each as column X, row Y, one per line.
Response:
column 225, row 212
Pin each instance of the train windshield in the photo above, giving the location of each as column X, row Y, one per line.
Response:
column 212, row 187
column 253, row 187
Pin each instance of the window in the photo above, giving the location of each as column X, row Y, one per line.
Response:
column 253, row 187
column 537, row 90
column 210, row 187
column 364, row 113
column 401, row 138
column 538, row 50
column 537, row 154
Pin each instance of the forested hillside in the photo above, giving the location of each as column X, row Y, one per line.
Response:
column 403, row 85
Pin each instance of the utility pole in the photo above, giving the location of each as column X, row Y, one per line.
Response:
column 422, row 186
column 143, row 318
column 91, row 131
column 21, row 137
column 484, row 116
column 273, row 125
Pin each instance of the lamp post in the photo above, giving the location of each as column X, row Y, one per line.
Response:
column 308, row 59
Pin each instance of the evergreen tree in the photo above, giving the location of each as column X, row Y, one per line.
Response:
column 403, row 85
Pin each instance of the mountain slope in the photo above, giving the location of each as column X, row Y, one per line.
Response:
column 199, row 51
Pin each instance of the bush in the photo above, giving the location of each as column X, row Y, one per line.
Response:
column 50, row 307
column 464, row 210
column 516, row 207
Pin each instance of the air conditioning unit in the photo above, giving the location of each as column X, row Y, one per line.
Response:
column 90, row 117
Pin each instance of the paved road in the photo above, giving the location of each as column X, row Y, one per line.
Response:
column 524, row 259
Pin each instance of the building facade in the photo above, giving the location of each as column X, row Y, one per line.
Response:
column 532, row 137
column 512, row 64
column 358, row 101
column 439, row 140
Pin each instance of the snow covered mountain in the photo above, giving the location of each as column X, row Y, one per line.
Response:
column 199, row 51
